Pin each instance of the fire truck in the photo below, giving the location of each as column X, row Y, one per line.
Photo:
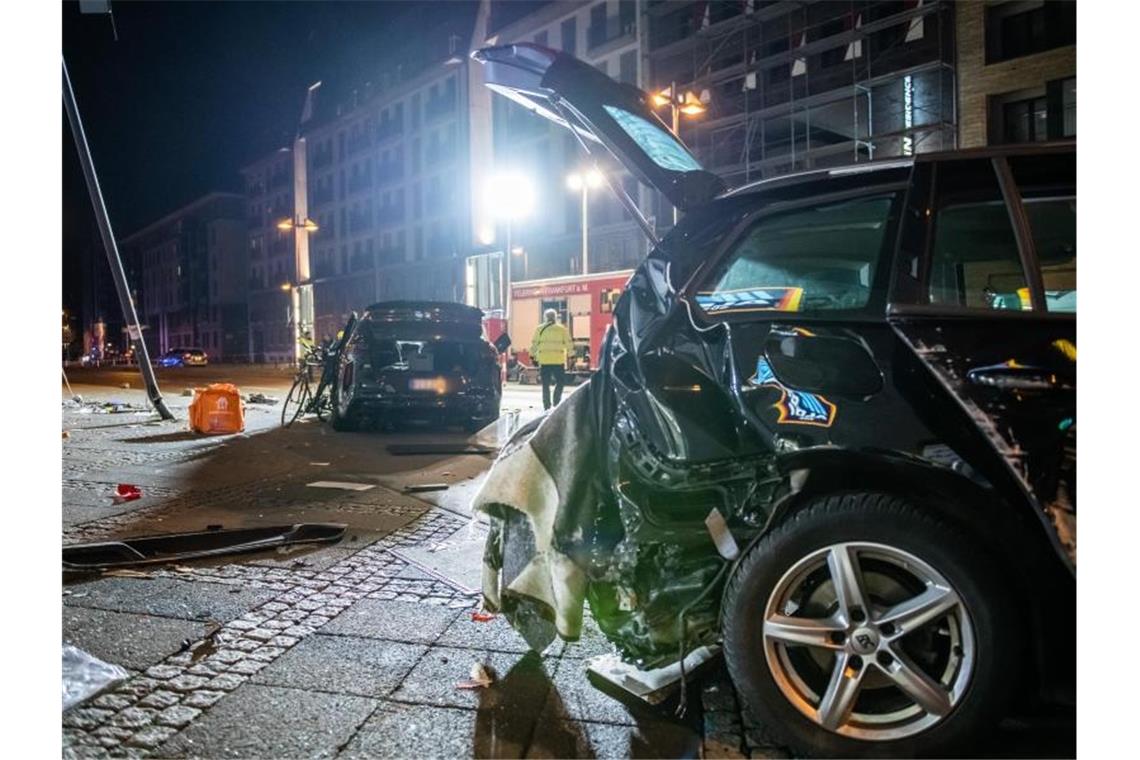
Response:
column 584, row 304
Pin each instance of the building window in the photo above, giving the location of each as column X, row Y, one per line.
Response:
column 1025, row 121
column 570, row 36
column 1063, row 103
column 1035, row 115
column 1021, row 27
column 627, row 67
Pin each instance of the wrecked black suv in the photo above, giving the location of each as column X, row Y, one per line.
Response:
column 833, row 432
column 416, row 360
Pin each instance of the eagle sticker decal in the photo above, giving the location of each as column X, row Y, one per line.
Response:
column 795, row 407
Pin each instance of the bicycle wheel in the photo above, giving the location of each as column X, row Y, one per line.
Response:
column 296, row 401
column 322, row 404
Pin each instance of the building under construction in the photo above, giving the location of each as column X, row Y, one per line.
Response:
column 791, row 86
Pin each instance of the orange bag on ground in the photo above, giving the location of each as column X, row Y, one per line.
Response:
column 216, row 409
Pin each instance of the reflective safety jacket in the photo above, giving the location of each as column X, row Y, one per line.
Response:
column 551, row 344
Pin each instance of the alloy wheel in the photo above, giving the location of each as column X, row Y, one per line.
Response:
column 868, row 641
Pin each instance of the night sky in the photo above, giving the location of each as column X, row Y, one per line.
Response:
column 192, row 91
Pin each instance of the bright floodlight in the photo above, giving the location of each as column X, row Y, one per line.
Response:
column 510, row 195
column 591, row 178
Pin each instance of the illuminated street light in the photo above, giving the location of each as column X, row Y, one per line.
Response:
column 308, row 225
column 583, row 181
column 689, row 104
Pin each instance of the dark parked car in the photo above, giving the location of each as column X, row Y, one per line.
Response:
column 184, row 357
column 417, row 360
column 837, row 431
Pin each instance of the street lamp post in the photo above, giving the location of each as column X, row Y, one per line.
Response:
column 689, row 104
column 583, row 181
column 301, row 293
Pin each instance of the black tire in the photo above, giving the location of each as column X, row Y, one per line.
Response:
column 894, row 522
column 295, row 402
column 343, row 415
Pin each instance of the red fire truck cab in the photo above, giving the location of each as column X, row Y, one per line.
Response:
column 584, row 304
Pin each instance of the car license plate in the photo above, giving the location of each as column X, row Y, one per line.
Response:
column 433, row 384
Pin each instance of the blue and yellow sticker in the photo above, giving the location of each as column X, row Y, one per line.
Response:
column 752, row 299
column 794, row 407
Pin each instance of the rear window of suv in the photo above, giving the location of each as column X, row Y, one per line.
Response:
column 822, row 257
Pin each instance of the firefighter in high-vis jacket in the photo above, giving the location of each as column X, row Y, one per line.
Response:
column 550, row 348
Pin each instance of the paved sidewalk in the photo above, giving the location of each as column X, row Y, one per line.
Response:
column 350, row 650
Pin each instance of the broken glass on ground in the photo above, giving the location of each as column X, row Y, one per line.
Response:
column 85, row 675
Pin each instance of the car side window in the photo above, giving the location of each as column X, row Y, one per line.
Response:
column 975, row 261
column 816, row 258
column 1048, row 186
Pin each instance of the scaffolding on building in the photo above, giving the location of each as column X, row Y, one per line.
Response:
column 792, row 86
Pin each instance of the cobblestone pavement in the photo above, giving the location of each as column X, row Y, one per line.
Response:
column 349, row 650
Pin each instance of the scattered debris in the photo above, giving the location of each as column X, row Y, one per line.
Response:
column 260, row 398
column 319, row 464
column 125, row 385
column 188, row 392
column 425, row 487
column 171, row 548
column 478, row 616
column 341, row 484
column 121, row 572
column 74, row 594
column 126, row 492
column 208, row 645
column 66, row 433
column 462, row 447
column 481, row 678
column 84, row 675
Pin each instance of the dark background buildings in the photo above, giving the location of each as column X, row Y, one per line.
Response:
column 197, row 98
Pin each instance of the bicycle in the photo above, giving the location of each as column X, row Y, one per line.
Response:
column 302, row 399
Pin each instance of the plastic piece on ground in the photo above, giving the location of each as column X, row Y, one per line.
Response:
column 481, row 617
column 85, row 675
column 620, row 679
column 426, row 487
column 126, row 492
column 217, row 410
column 172, row 548
column 481, row 678
column 341, row 485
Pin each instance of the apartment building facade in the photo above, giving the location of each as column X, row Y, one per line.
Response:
column 792, row 86
column 608, row 35
column 269, row 197
column 190, row 270
column 387, row 187
column 1017, row 71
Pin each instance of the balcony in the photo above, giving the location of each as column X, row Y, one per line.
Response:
column 622, row 27
column 389, row 172
column 386, row 130
column 359, row 182
column 440, row 106
column 390, row 215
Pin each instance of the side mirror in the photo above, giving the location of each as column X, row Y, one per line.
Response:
column 502, row 343
column 823, row 364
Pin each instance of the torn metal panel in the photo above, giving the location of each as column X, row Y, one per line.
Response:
column 179, row 547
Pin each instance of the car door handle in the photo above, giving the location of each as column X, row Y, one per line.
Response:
column 1017, row 377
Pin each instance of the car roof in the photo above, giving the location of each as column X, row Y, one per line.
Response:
column 891, row 169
